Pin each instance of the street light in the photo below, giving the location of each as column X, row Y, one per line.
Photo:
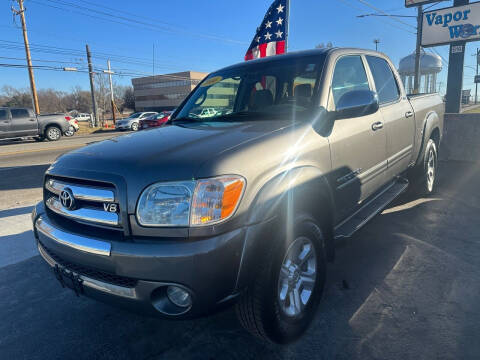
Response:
column 70, row 69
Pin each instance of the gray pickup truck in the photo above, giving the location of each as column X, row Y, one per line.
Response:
column 243, row 206
column 22, row 122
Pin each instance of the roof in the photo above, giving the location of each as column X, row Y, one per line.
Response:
column 299, row 55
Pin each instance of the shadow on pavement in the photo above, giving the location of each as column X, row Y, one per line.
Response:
column 22, row 177
column 16, row 211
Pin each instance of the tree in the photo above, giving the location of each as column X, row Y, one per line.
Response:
column 128, row 98
column 78, row 100
column 16, row 97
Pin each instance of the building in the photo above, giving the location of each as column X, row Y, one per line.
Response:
column 164, row 92
column 430, row 67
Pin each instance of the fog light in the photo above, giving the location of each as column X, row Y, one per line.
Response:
column 179, row 297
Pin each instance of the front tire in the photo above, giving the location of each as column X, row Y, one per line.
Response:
column 281, row 302
column 135, row 126
column 53, row 133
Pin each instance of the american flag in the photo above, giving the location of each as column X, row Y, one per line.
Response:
column 271, row 36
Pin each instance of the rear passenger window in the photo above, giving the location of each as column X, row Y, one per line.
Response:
column 3, row 115
column 19, row 113
column 349, row 75
column 387, row 87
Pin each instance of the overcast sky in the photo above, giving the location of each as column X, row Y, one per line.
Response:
column 188, row 35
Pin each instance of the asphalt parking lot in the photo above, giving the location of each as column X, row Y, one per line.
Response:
column 404, row 287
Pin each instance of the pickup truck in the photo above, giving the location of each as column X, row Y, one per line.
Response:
column 244, row 206
column 22, row 122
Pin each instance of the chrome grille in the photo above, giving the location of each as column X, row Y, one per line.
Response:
column 89, row 204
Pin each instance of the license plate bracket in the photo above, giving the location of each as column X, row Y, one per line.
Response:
column 69, row 279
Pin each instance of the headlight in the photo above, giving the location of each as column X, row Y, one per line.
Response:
column 191, row 203
column 165, row 204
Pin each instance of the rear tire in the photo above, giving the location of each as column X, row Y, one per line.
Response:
column 282, row 300
column 53, row 133
column 424, row 175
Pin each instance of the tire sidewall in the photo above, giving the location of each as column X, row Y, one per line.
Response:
column 47, row 133
column 280, row 327
column 431, row 146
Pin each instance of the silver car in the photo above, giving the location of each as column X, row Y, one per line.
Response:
column 131, row 123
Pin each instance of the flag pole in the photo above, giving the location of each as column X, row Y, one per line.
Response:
column 288, row 26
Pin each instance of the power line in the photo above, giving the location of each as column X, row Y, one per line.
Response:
column 385, row 22
column 383, row 12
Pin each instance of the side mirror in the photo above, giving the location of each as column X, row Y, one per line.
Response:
column 357, row 103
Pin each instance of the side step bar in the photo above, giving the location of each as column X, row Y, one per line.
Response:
column 370, row 209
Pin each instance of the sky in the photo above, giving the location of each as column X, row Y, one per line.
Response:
column 188, row 35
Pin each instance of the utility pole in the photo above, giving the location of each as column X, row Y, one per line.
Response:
column 476, row 83
column 416, row 82
column 456, row 61
column 33, row 88
column 110, row 72
column 376, row 42
column 92, row 86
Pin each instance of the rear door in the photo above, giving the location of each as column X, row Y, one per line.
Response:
column 358, row 150
column 398, row 116
column 4, row 123
column 24, row 122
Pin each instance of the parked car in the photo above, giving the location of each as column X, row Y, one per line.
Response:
column 132, row 122
column 73, row 126
column 155, row 120
column 207, row 112
column 241, row 208
column 83, row 117
column 22, row 123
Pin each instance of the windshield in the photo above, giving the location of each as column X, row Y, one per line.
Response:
column 281, row 88
column 135, row 115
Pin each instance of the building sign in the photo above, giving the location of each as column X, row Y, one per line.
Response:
column 444, row 26
column 411, row 3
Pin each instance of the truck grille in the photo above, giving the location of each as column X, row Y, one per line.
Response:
column 91, row 273
column 87, row 203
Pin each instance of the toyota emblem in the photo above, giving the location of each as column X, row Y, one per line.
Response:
column 67, row 199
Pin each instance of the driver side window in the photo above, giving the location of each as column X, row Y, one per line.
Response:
column 349, row 75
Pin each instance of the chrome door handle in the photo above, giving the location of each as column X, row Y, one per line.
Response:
column 377, row 126
column 409, row 114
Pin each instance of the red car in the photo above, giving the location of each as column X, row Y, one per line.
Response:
column 155, row 120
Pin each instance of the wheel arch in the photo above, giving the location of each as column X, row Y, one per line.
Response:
column 302, row 189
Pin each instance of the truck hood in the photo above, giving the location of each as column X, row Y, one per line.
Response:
column 169, row 153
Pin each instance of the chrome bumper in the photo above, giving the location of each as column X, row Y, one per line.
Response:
column 76, row 242
column 92, row 283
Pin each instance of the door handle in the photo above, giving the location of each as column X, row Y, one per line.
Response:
column 32, row 120
column 377, row 126
column 409, row 114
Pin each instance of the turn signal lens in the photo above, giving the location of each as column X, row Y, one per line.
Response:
column 216, row 199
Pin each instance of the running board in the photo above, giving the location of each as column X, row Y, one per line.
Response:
column 370, row 209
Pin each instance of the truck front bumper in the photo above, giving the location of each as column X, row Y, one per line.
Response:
column 136, row 274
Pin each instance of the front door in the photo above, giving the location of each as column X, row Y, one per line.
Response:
column 358, row 148
column 4, row 123
column 24, row 123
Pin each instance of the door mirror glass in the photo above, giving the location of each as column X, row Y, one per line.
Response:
column 357, row 103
